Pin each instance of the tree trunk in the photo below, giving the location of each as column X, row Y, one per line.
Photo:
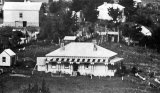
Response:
column 129, row 41
column 118, row 35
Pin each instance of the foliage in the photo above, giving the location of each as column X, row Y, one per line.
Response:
column 90, row 12
column 77, row 5
column 42, row 15
column 5, row 35
column 54, row 7
column 115, row 14
column 34, row 88
column 16, row 35
column 129, row 7
column 132, row 31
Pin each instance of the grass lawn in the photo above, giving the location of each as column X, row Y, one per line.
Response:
column 81, row 84
column 145, row 59
column 150, row 1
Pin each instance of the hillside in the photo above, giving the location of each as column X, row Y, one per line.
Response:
column 144, row 59
column 150, row 1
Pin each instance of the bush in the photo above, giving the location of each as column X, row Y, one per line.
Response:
column 34, row 88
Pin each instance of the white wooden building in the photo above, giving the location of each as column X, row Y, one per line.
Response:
column 85, row 58
column 43, row 1
column 7, row 58
column 69, row 39
column 21, row 14
column 104, row 11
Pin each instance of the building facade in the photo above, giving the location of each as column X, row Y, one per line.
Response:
column 21, row 14
column 7, row 58
column 82, row 58
column 104, row 11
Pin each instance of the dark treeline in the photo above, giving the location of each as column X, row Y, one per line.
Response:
column 61, row 21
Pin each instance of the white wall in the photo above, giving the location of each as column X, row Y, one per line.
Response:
column 96, row 70
column 41, row 67
column 32, row 17
column 60, row 68
column 8, row 59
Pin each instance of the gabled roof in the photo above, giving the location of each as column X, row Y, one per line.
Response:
column 43, row 1
column 104, row 10
column 138, row 1
column 9, row 52
column 70, row 38
column 14, row 0
column 22, row 6
column 145, row 31
column 79, row 49
column 106, row 6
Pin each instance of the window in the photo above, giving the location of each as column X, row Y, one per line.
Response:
column 20, row 15
column 54, row 65
column 66, row 65
column 86, row 65
column 3, row 59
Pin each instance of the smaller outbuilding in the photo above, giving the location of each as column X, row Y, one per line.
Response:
column 7, row 58
column 70, row 39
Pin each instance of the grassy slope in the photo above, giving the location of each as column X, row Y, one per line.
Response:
column 150, row 1
column 144, row 58
column 80, row 85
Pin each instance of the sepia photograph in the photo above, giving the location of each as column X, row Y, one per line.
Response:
column 79, row 46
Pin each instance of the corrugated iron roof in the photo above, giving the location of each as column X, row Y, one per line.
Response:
column 44, row 1
column 70, row 37
column 32, row 6
column 9, row 52
column 79, row 49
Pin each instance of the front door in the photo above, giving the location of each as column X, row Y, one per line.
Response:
column 75, row 67
column 24, row 23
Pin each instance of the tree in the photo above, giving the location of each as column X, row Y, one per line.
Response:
column 16, row 35
column 116, row 14
column 54, row 7
column 90, row 12
column 129, row 8
column 77, row 5
column 5, row 35
column 132, row 32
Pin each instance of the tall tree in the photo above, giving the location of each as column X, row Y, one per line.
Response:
column 116, row 14
column 129, row 8
column 132, row 32
column 5, row 35
column 90, row 12
column 77, row 5
column 54, row 7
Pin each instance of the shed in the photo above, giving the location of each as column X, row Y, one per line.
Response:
column 7, row 58
column 70, row 38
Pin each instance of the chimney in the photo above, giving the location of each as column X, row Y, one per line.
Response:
column 62, row 46
column 95, row 45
